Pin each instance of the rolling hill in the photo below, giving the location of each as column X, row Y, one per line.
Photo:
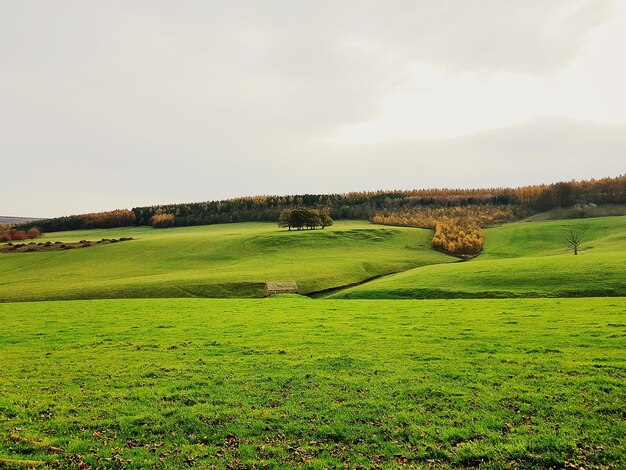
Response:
column 522, row 259
column 231, row 260
column 289, row 381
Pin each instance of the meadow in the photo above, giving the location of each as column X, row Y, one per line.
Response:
column 231, row 260
column 283, row 382
column 522, row 259
column 107, row 360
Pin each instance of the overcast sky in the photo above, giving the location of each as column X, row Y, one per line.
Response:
column 107, row 104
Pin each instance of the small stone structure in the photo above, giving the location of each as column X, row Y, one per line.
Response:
column 273, row 288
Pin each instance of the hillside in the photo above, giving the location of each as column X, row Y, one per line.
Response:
column 232, row 260
column 457, row 216
column 579, row 211
column 522, row 259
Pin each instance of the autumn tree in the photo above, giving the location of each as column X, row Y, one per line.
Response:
column 33, row 233
column 13, row 235
column 162, row 220
column 483, row 207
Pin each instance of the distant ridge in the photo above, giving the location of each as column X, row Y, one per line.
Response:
column 5, row 219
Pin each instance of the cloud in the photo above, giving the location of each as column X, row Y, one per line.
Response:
column 158, row 100
column 541, row 150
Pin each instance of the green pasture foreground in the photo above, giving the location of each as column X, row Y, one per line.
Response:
column 229, row 260
column 284, row 382
column 523, row 259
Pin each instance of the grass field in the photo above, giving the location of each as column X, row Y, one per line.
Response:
column 289, row 381
column 524, row 259
column 233, row 260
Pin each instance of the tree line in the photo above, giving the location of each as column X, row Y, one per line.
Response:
column 8, row 233
column 354, row 205
column 109, row 219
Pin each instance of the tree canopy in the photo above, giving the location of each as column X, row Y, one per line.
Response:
column 301, row 218
column 369, row 205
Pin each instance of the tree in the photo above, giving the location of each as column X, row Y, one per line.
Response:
column 573, row 240
column 162, row 220
column 300, row 218
column 312, row 219
column 284, row 219
column 325, row 219
column 33, row 233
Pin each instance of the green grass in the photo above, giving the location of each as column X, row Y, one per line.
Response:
column 524, row 259
column 232, row 260
column 281, row 382
column 290, row 381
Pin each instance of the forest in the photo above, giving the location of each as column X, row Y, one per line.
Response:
column 456, row 215
column 458, row 229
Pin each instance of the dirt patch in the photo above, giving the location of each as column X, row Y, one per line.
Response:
column 33, row 247
column 275, row 288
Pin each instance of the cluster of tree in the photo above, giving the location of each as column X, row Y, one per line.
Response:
column 567, row 194
column 429, row 217
column 457, row 229
column 247, row 209
column 304, row 218
column 162, row 220
column 109, row 219
column 355, row 205
column 8, row 234
column 458, row 238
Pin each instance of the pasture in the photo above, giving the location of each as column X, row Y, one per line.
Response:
column 139, row 374
column 522, row 259
column 233, row 260
column 167, row 383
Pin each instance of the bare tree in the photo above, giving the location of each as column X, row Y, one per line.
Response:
column 573, row 240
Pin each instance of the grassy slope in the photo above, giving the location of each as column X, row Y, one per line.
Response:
column 579, row 212
column 143, row 383
column 233, row 260
column 524, row 259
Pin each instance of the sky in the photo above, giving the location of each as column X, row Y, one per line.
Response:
column 122, row 103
